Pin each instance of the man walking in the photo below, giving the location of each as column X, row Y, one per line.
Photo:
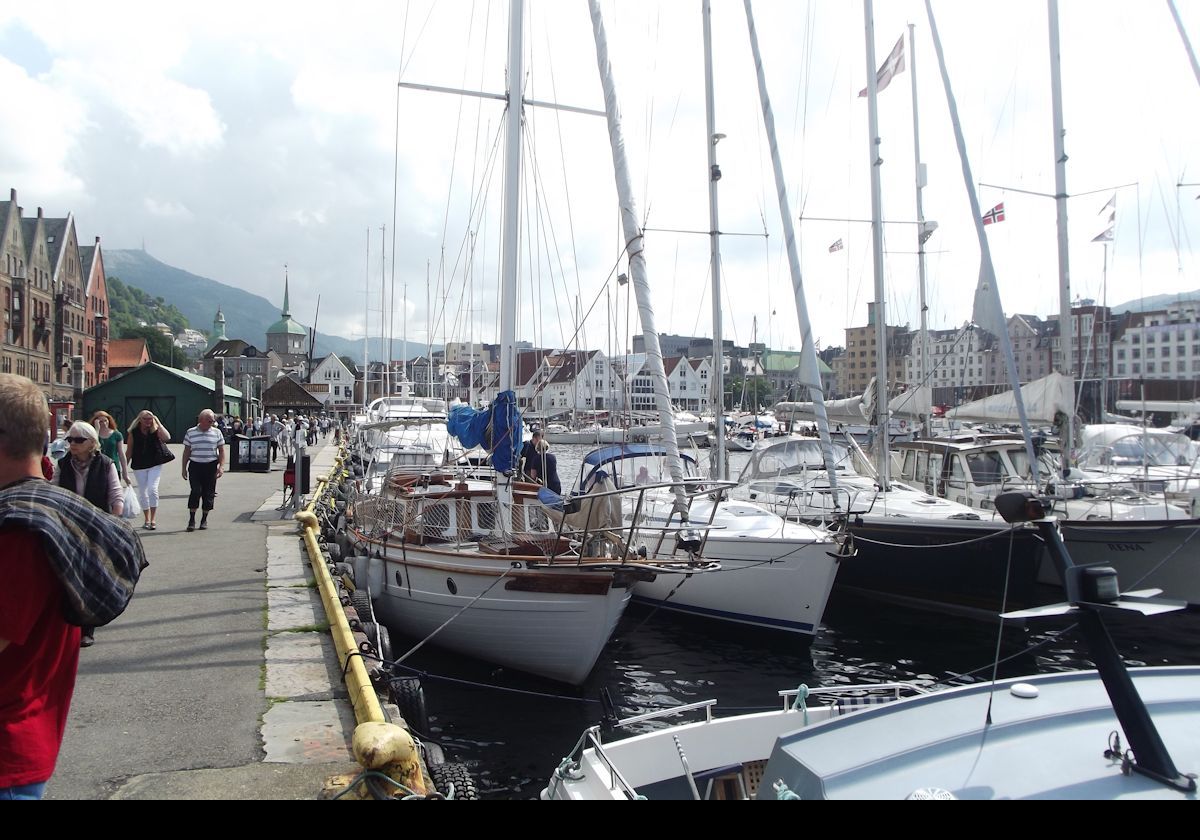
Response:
column 64, row 563
column 203, row 464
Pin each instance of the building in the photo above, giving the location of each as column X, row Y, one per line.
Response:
column 55, row 305
column 289, row 340
column 862, row 356
column 1162, row 344
column 95, row 346
column 332, row 373
column 126, row 354
column 175, row 396
column 243, row 366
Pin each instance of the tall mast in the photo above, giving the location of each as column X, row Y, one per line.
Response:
column 718, row 468
column 881, row 386
column 810, row 372
column 1060, row 202
column 510, row 239
column 367, row 325
column 635, row 253
column 922, row 234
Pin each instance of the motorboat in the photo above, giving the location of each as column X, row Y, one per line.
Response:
column 910, row 547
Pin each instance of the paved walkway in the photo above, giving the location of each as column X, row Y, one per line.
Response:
column 219, row 681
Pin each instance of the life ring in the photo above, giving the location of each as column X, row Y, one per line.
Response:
column 903, row 425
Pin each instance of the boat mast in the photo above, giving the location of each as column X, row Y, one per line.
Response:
column 510, row 238
column 1187, row 42
column 988, row 313
column 719, row 466
column 1060, row 201
column 367, row 326
column 810, row 372
column 635, row 253
column 881, row 385
column 923, row 232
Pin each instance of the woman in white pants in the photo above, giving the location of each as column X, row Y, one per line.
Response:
column 147, row 451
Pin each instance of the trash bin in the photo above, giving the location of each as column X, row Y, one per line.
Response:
column 289, row 475
column 239, row 453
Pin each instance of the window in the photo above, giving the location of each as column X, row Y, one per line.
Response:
column 1121, row 370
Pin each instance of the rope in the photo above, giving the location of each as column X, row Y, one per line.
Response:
column 375, row 775
column 445, row 623
column 800, row 704
column 992, row 536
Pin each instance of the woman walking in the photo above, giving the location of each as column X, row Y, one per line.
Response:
column 110, row 443
column 147, row 451
column 87, row 471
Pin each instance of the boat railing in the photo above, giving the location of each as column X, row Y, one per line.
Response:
column 571, row 768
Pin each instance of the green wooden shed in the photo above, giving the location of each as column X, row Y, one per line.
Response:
column 175, row 396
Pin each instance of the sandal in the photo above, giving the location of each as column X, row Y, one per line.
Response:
column 153, row 526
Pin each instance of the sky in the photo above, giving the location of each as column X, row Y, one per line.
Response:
column 236, row 139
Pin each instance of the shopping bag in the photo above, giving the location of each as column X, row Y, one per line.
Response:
column 132, row 507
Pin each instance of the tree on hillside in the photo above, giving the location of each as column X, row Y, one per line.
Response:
column 128, row 306
column 162, row 349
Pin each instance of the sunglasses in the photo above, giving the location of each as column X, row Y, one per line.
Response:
column 78, row 440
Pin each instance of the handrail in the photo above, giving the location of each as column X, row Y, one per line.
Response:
column 358, row 682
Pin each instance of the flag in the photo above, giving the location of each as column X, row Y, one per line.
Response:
column 893, row 65
column 1112, row 202
column 1104, row 236
column 996, row 214
column 836, row 246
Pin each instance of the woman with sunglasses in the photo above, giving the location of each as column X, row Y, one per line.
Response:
column 92, row 474
column 146, row 446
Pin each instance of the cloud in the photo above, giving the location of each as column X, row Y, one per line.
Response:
column 44, row 129
column 166, row 209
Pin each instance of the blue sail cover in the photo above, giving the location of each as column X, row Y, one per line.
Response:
column 497, row 429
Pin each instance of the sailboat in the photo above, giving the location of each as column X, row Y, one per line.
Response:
column 489, row 569
column 775, row 574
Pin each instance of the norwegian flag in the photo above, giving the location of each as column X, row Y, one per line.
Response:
column 996, row 214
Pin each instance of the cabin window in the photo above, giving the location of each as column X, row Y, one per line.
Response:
column 986, row 467
column 958, row 476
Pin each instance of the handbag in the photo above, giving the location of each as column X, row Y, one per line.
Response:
column 133, row 508
column 165, row 456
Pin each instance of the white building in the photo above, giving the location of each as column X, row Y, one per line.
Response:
column 333, row 373
column 1160, row 345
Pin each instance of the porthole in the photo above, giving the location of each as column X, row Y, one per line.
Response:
column 452, row 586
column 399, row 579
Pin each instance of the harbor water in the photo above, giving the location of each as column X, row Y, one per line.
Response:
column 513, row 730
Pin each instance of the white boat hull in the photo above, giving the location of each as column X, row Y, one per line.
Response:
column 788, row 593
column 550, row 622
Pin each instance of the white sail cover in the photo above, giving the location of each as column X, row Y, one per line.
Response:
column 915, row 403
column 850, row 410
column 1043, row 398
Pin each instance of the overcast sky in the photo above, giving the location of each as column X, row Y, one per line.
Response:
column 232, row 138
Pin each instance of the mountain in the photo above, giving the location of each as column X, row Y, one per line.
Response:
column 247, row 315
column 1154, row 302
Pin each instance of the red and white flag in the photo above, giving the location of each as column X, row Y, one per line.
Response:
column 996, row 214
column 836, row 246
column 893, row 65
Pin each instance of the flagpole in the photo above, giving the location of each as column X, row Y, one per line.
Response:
column 1060, row 200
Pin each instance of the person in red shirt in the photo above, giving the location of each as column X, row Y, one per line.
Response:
column 63, row 564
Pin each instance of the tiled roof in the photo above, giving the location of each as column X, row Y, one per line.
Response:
column 127, row 352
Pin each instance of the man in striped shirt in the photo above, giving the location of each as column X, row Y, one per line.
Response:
column 203, row 464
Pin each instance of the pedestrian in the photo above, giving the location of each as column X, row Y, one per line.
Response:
column 203, row 464
column 531, row 456
column 110, row 442
column 270, row 428
column 146, row 448
column 90, row 473
column 64, row 563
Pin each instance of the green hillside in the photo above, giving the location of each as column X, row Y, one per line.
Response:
column 247, row 315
